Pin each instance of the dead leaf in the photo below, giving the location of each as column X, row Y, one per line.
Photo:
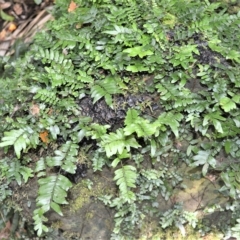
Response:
column 5, row 5
column 44, row 136
column 3, row 34
column 18, row 9
column 34, row 110
column 5, row 232
column 12, row 27
column 72, row 6
column 50, row 111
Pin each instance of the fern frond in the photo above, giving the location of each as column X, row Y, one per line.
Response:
column 47, row 96
column 141, row 126
column 52, row 192
column 105, row 89
column 116, row 142
column 126, row 178
column 20, row 139
column 172, row 120
column 66, row 157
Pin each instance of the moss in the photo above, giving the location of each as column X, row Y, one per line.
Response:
column 174, row 233
column 56, row 225
column 85, row 190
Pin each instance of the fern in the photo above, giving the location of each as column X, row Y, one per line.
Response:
column 21, row 139
column 172, row 120
column 115, row 143
column 98, row 161
column 53, row 189
column 105, row 89
column 50, row 56
column 65, row 157
column 47, row 96
column 141, row 126
column 16, row 171
column 51, row 193
column 126, row 178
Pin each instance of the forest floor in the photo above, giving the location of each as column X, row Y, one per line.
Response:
column 19, row 21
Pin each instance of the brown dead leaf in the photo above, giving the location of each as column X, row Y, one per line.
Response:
column 3, row 34
column 12, row 26
column 44, row 136
column 18, row 9
column 34, row 110
column 5, row 232
column 5, row 5
column 72, row 6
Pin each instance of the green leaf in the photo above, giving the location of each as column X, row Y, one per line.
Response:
column 205, row 169
column 131, row 116
column 153, row 147
column 125, row 178
column 5, row 16
column 172, row 120
column 227, row 146
column 227, row 104
column 54, row 130
column 137, row 67
column 204, row 157
column 142, row 127
column 138, row 51
column 105, row 89
column 124, row 155
column 214, row 118
column 53, row 189
column 65, row 157
column 116, row 143
column 39, row 218
column 56, row 208
column 97, row 130
column 19, row 139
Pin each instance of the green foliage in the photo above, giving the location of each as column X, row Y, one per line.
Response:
column 66, row 157
column 125, row 177
column 21, row 139
column 51, row 193
column 114, row 143
column 231, row 178
column 105, row 89
column 188, row 58
column 206, row 159
column 178, row 217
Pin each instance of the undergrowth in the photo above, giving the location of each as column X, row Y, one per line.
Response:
column 184, row 54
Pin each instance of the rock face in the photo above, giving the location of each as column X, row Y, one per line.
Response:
column 85, row 217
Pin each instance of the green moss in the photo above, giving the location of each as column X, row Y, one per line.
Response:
column 85, row 190
column 174, row 233
column 56, row 225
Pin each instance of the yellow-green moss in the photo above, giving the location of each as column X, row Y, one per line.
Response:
column 174, row 233
column 84, row 193
column 56, row 225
